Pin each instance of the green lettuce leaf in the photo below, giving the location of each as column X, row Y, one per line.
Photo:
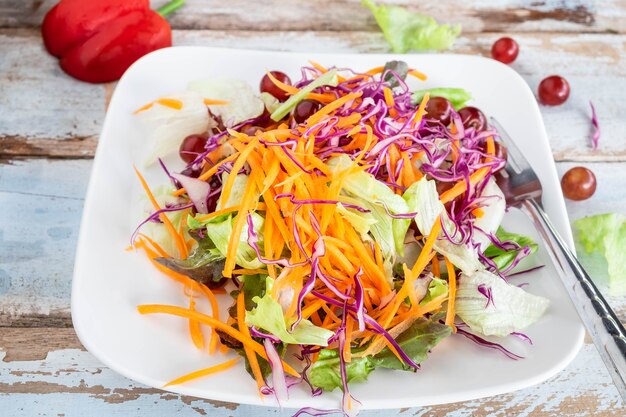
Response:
column 252, row 286
column 204, row 264
column 405, row 30
column 268, row 315
column 604, row 236
column 219, row 229
column 458, row 97
column 512, row 309
column 416, row 342
column 503, row 258
column 436, row 289
column 325, row 372
column 362, row 189
column 328, row 78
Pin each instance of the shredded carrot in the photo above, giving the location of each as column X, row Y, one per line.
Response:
column 347, row 352
column 209, row 321
column 289, row 89
column 215, row 311
column 478, row 212
column 240, row 220
column 388, row 97
column 210, row 102
column 143, row 108
column 418, row 74
column 170, row 102
column 203, row 372
column 451, row 293
column 206, row 175
column 239, row 163
column 421, row 110
column 194, row 327
column 317, row 116
column 461, row 186
column 178, row 239
column 435, row 267
column 155, row 245
column 243, row 327
column 243, row 271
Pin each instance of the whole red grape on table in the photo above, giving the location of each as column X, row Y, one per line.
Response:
column 505, row 50
column 578, row 183
column 553, row 90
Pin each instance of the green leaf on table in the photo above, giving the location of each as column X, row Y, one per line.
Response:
column 604, row 236
column 405, row 30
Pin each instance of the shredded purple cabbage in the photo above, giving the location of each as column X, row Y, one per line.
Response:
column 491, row 345
column 596, row 127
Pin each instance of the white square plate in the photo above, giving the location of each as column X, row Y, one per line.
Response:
column 109, row 282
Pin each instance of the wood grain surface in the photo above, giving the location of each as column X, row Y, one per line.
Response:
column 62, row 118
column 49, row 126
column 347, row 15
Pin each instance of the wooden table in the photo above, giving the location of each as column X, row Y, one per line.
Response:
column 49, row 127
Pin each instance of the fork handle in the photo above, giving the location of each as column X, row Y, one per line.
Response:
column 604, row 327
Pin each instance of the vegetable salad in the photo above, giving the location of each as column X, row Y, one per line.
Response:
column 355, row 223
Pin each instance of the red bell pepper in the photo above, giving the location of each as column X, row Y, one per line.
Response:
column 97, row 40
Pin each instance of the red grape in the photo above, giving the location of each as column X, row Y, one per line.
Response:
column 192, row 146
column 505, row 50
column 192, row 171
column 268, row 86
column 439, row 108
column 501, row 152
column 578, row 183
column 305, row 109
column 473, row 117
column 553, row 90
column 250, row 130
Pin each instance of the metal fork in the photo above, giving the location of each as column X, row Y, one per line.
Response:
column 522, row 189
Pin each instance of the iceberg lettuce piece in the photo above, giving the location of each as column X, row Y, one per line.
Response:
column 166, row 127
column 424, row 197
column 243, row 102
column 492, row 307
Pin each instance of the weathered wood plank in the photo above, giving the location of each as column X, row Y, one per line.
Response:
column 35, row 385
column 37, row 254
column 45, row 113
column 41, row 208
column 348, row 15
